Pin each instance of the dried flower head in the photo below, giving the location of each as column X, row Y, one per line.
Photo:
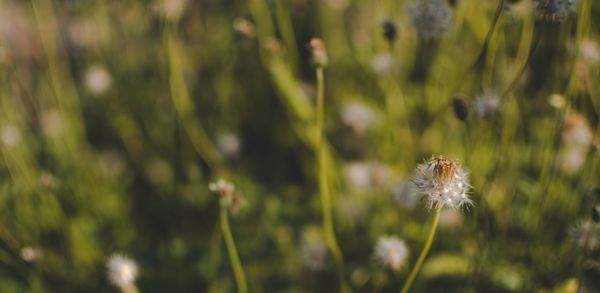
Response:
column 431, row 18
column 122, row 272
column 391, row 252
column 318, row 52
column 554, row 10
column 444, row 182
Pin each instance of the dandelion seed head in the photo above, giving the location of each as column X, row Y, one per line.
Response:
column 315, row 255
column 431, row 18
column 391, row 252
column 585, row 234
column 122, row 271
column 229, row 145
column 444, row 182
column 357, row 116
column 554, row 10
column 487, row 104
column 97, row 79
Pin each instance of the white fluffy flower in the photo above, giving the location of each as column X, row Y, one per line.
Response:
column 222, row 187
column 122, row 272
column 97, row 79
column 444, row 182
column 487, row 105
column 358, row 117
column 391, row 252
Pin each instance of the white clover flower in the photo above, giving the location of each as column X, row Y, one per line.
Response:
column 391, row 252
column 122, row 272
column 431, row 18
column 444, row 182
column 554, row 10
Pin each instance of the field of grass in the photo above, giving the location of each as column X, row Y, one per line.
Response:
column 300, row 146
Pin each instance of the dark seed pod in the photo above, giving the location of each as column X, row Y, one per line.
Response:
column 461, row 107
column 390, row 32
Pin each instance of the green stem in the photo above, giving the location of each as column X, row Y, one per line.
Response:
column 424, row 252
column 238, row 271
column 326, row 200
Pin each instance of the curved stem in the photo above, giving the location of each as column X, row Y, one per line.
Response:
column 424, row 252
column 238, row 271
column 326, row 200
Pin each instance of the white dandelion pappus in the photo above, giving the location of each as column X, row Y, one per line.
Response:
column 391, row 252
column 445, row 183
column 122, row 272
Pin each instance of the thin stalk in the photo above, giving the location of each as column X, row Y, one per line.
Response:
column 424, row 252
column 238, row 271
column 326, row 200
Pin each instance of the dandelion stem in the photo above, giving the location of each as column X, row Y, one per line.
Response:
column 238, row 271
column 326, row 201
column 424, row 252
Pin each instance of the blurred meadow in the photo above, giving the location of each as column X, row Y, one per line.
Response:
column 119, row 118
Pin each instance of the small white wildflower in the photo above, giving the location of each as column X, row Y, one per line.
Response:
column 391, row 252
column 364, row 175
column 487, row 105
column 122, row 272
column 222, row 187
column 577, row 131
column 557, row 101
column 97, row 79
column 357, row 116
column 572, row 159
column 382, row 63
column 229, row 145
column 10, row 135
column 315, row 255
column 444, row 182
column 30, row 254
